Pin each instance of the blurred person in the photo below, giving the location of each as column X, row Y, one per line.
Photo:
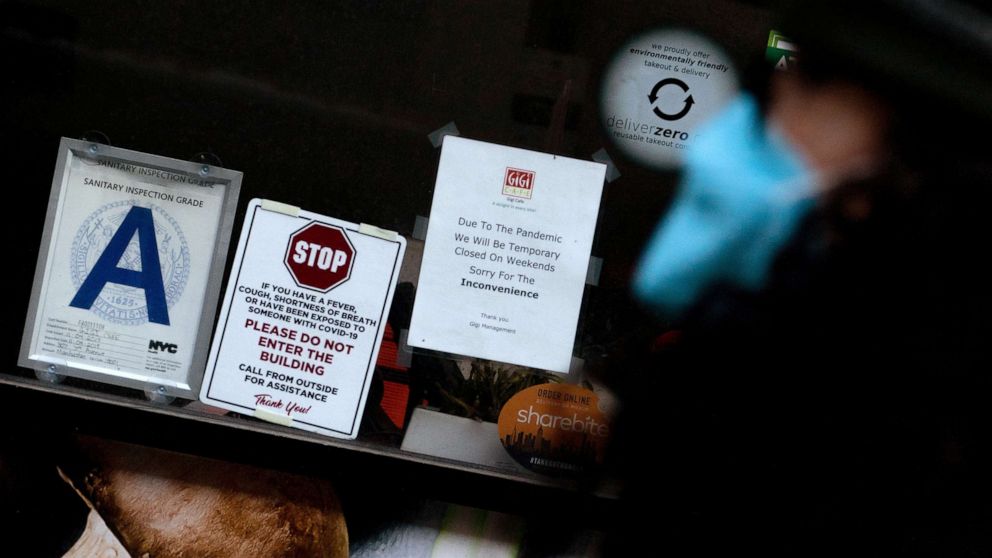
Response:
column 823, row 262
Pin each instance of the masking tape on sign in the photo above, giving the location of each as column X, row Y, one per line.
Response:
column 594, row 270
column 420, row 227
column 601, row 156
column 280, row 207
column 437, row 136
column 272, row 417
column 372, row 230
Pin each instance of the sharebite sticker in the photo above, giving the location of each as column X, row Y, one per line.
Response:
column 555, row 429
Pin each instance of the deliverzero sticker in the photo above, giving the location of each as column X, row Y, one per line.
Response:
column 657, row 90
column 555, row 429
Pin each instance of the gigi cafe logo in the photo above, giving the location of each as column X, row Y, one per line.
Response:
column 518, row 183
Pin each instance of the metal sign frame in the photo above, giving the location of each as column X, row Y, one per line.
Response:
column 181, row 176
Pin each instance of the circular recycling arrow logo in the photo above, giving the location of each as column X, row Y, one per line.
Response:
column 687, row 104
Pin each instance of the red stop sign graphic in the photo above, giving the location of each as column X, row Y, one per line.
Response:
column 319, row 256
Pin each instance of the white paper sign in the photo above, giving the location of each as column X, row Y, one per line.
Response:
column 303, row 317
column 122, row 291
column 506, row 254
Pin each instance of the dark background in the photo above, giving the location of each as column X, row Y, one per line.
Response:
column 325, row 105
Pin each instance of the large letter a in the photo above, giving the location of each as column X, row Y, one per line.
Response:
column 149, row 279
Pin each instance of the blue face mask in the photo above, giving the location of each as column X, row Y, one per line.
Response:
column 744, row 192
